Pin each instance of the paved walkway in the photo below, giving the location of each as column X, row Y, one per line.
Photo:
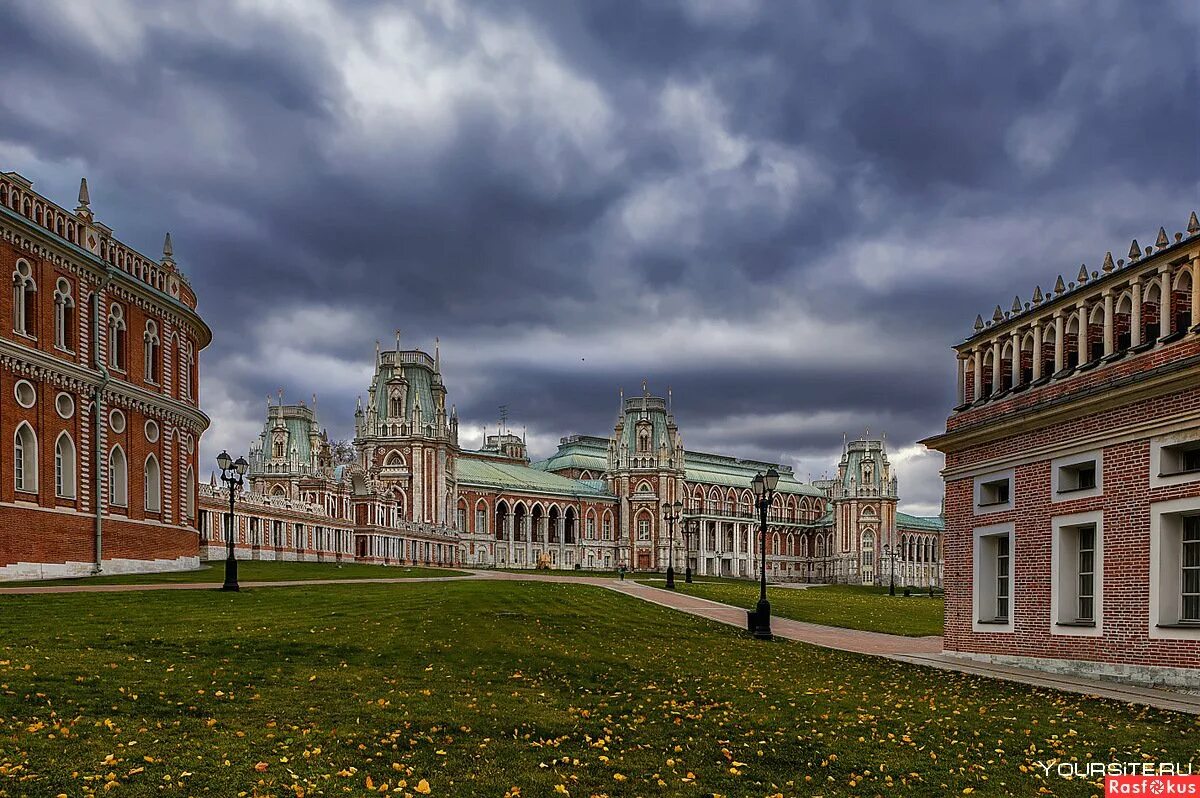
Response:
column 925, row 651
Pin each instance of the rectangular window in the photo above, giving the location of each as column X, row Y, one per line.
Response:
column 607, row 529
column 1190, row 561
column 993, row 493
column 1180, row 458
column 1002, row 578
column 644, row 529
column 19, row 465
column 1077, row 477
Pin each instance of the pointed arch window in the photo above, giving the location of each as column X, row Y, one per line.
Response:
column 24, row 300
column 185, row 369
column 25, row 468
column 151, row 350
column 64, row 467
column 64, row 316
column 116, row 337
column 118, row 478
column 153, row 487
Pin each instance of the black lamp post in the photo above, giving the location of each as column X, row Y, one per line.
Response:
column 764, row 492
column 689, row 527
column 891, row 556
column 671, row 513
column 232, row 474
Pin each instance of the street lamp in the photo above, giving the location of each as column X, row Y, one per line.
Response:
column 891, row 557
column 689, row 527
column 764, row 492
column 672, row 513
column 232, row 474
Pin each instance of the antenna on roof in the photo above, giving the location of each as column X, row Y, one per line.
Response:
column 503, row 419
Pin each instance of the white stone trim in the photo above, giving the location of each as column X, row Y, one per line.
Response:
column 22, row 571
column 996, row 476
column 1156, row 456
column 1139, row 674
column 1059, row 463
column 1164, row 568
column 983, row 588
column 1060, row 576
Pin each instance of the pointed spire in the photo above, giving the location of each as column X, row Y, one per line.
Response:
column 645, row 390
column 397, row 340
column 280, row 397
column 978, row 323
column 1135, row 251
column 998, row 315
column 1162, row 242
column 1058, row 286
column 1016, row 306
column 437, row 355
column 376, row 351
column 669, row 399
column 1037, row 295
column 1083, row 275
column 168, row 258
column 1193, row 224
column 1108, row 262
column 84, row 199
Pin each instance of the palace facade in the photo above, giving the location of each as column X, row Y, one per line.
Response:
column 412, row 495
column 99, row 410
column 1073, row 474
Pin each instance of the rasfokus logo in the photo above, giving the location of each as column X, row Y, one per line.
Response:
column 1130, row 778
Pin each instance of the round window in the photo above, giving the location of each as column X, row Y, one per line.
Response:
column 25, row 393
column 152, row 431
column 65, row 405
column 116, row 421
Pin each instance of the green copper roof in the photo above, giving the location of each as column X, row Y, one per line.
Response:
column 420, row 385
column 920, row 523
column 473, row 472
column 298, row 431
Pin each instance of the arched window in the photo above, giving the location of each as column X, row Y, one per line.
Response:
column 189, row 494
column 25, row 468
column 64, row 467
column 64, row 315
column 153, row 487
column 24, row 300
column 151, row 351
column 116, row 337
column 278, row 492
column 868, row 549
column 118, row 478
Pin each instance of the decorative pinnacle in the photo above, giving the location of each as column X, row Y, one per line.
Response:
column 1108, row 262
column 1135, row 251
column 1193, row 224
column 1058, row 286
column 1162, row 242
column 1083, row 275
column 1016, row 307
column 998, row 315
column 168, row 257
column 978, row 323
column 84, row 199
column 1037, row 295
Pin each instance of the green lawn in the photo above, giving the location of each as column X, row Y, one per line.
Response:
column 256, row 571
column 473, row 688
column 558, row 572
column 848, row 606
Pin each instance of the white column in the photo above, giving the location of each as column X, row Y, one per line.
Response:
column 1135, row 318
column 1164, row 311
column 1108, row 322
column 1037, row 353
column 1082, row 344
column 1060, row 349
column 1196, row 291
column 962, row 378
column 1014, row 366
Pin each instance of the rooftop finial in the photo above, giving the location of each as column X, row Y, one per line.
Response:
column 397, row 340
column 669, row 399
column 978, row 323
column 437, row 355
column 280, row 397
column 1162, row 242
column 1135, row 251
column 1016, row 306
column 84, row 199
column 168, row 249
column 998, row 315
column 1083, row 275
column 645, row 390
column 1108, row 262
column 1193, row 224
column 377, row 359
column 1037, row 295
column 1059, row 287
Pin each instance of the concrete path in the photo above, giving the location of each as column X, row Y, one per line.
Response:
column 924, row 651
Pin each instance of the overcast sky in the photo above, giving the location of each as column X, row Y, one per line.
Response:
column 786, row 212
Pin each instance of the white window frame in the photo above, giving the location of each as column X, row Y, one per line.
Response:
column 1166, row 529
column 1158, row 477
column 152, row 487
column 25, row 475
column 1060, row 492
column 64, row 467
column 118, row 481
column 985, row 479
column 1064, row 575
column 983, row 581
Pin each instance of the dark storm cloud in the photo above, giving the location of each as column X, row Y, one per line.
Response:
column 787, row 212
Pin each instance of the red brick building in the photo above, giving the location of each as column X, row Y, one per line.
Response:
column 99, row 418
column 1073, row 474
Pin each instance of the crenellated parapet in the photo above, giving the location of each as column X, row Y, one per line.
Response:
column 1126, row 307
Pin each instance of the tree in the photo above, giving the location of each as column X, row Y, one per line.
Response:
column 342, row 452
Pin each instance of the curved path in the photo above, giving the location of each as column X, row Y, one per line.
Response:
column 925, row 651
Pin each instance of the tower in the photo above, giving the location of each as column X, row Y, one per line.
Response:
column 291, row 447
column 864, row 511
column 646, row 472
column 405, row 440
